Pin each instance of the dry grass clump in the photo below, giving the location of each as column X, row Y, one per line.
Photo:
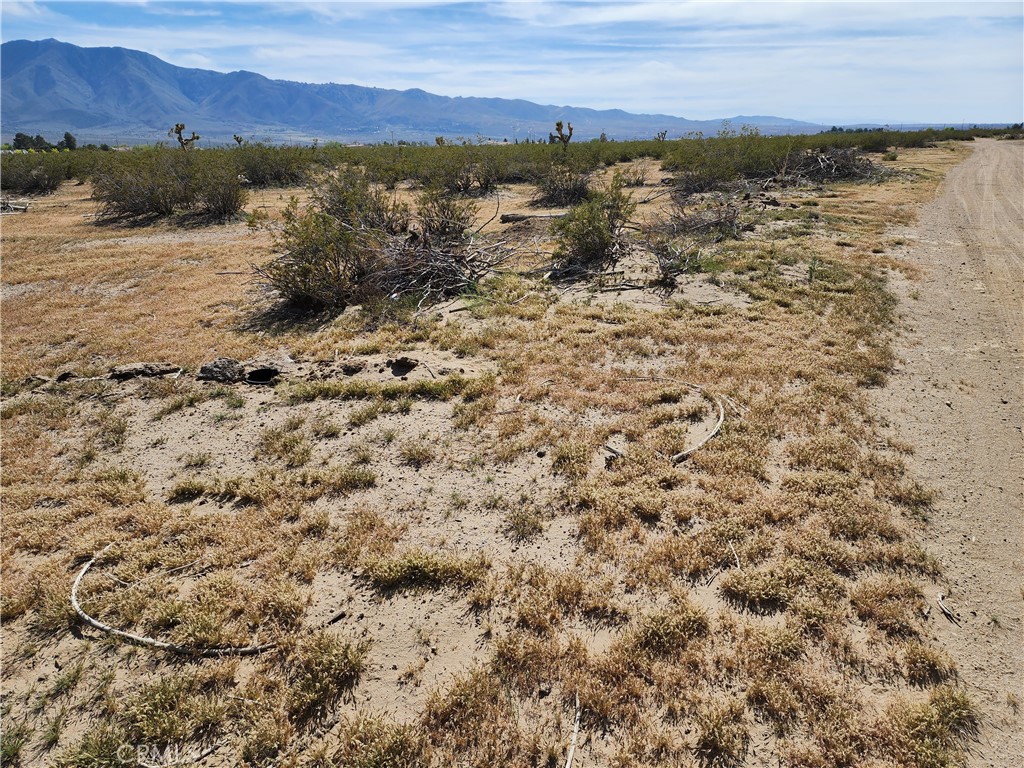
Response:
column 286, row 443
column 925, row 666
column 523, row 521
column 667, row 633
column 373, row 742
column 891, row 603
column 324, row 667
column 722, row 733
column 772, row 587
column 474, row 719
column 543, row 598
column 929, row 734
column 420, row 569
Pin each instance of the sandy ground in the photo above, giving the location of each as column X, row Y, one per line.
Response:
column 958, row 398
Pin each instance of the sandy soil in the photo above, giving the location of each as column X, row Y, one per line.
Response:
column 958, row 398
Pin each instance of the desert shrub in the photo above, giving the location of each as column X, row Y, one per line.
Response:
column 82, row 164
column 703, row 164
column 39, row 173
column 150, row 182
column 266, row 166
column 591, row 234
column 563, row 184
column 355, row 243
column 449, row 169
column 492, row 168
column 217, row 187
column 348, row 196
column 874, row 142
column 327, row 262
column 443, row 218
column 386, row 166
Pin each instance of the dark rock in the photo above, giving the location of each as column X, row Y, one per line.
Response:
column 135, row 370
column 265, row 375
column 402, row 365
column 352, row 367
column 224, row 369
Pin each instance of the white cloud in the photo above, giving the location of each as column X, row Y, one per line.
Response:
column 27, row 10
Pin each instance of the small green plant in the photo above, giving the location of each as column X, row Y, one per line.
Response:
column 12, row 741
column 591, row 236
column 53, row 727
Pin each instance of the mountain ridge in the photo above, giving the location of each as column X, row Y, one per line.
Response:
column 101, row 93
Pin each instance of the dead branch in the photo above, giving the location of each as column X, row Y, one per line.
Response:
column 150, row 642
column 509, row 218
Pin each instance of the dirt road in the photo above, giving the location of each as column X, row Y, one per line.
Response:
column 958, row 398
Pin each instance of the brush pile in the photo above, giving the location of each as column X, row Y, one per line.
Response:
column 828, row 165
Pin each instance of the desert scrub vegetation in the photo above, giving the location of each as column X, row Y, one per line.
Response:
column 764, row 593
column 36, row 174
column 355, row 243
column 160, row 182
column 591, row 236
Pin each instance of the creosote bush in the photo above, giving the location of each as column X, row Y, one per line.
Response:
column 37, row 174
column 354, row 243
column 159, row 181
column 591, row 235
column 563, row 184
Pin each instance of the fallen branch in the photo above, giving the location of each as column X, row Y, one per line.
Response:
column 946, row 610
column 575, row 735
column 738, row 566
column 718, row 426
column 716, row 400
column 151, row 642
column 510, row 218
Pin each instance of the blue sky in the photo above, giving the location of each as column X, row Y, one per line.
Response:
column 830, row 62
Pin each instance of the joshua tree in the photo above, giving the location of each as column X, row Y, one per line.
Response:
column 178, row 130
column 238, row 139
column 562, row 136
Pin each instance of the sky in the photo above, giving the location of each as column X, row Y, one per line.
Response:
column 826, row 62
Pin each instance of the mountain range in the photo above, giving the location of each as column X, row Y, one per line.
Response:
column 122, row 95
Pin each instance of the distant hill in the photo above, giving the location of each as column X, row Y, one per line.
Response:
column 104, row 94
